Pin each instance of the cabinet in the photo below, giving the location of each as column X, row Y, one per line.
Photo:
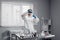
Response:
column 8, row 36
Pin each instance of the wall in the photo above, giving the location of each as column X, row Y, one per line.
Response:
column 41, row 9
column 55, row 15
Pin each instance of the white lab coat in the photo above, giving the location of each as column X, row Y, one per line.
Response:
column 29, row 22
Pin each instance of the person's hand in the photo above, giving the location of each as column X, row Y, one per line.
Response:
column 24, row 15
column 34, row 16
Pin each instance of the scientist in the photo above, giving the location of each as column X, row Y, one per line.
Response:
column 30, row 20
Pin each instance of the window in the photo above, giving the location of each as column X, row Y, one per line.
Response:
column 11, row 13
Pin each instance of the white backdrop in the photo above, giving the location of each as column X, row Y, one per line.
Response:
column 11, row 13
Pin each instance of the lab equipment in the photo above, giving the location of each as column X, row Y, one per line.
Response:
column 45, row 31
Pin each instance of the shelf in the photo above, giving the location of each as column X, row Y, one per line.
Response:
column 48, row 36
